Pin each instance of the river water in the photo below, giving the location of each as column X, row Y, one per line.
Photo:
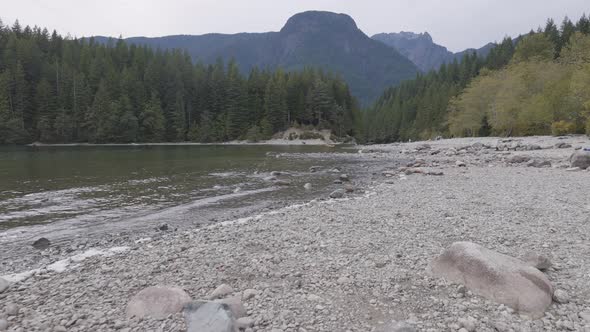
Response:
column 69, row 190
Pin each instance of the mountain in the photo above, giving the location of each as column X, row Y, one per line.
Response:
column 422, row 51
column 325, row 40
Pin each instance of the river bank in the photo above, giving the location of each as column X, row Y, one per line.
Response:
column 351, row 264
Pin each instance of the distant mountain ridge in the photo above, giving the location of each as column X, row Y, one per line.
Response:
column 423, row 51
column 325, row 40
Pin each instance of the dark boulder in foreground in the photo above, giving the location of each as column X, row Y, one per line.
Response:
column 496, row 276
column 42, row 243
column 157, row 302
column 580, row 159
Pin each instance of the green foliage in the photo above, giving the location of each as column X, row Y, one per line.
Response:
column 522, row 87
column 254, row 134
column 532, row 97
column 310, row 135
column 56, row 89
column 562, row 127
column 534, row 47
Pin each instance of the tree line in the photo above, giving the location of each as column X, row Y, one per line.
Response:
column 471, row 97
column 56, row 89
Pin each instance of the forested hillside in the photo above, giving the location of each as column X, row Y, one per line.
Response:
column 330, row 41
column 537, row 84
column 56, row 89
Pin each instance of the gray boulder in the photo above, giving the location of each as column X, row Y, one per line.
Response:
column 3, row 325
column 496, row 276
column 202, row 316
column 157, row 302
column 580, row 159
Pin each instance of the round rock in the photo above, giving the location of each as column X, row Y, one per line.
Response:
column 157, row 302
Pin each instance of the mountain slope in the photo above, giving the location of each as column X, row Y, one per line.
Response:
column 326, row 40
column 422, row 51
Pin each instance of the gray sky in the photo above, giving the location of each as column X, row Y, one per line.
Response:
column 456, row 24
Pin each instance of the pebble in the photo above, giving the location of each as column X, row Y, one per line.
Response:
column 374, row 249
column 11, row 309
column 244, row 322
column 221, row 291
column 4, row 284
column 561, row 296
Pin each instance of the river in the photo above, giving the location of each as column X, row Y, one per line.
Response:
column 68, row 191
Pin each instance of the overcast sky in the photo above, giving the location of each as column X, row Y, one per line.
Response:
column 456, row 24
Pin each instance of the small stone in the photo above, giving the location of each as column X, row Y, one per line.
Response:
column 244, row 322
column 459, row 163
column 4, row 284
column 221, row 291
column 337, row 193
column 307, row 186
column 519, row 159
column 314, row 169
column 501, row 327
column 585, row 315
column 561, row 296
column 573, row 169
column 11, row 309
column 468, row 323
column 3, row 325
column 539, row 163
column 398, row 327
column 164, row 227
column 59, row 329
column 539, row 261
column 42, row 244
column 344, row 177
column 248, row 294
column 282, row 183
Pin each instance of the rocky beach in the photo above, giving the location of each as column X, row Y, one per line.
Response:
column 361, row 261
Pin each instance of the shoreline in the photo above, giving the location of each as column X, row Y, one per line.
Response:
column 359, row 263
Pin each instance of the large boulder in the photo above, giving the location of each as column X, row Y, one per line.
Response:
column 580, row 159
column 157, row 302
column 203, row 316
column 496, row 276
